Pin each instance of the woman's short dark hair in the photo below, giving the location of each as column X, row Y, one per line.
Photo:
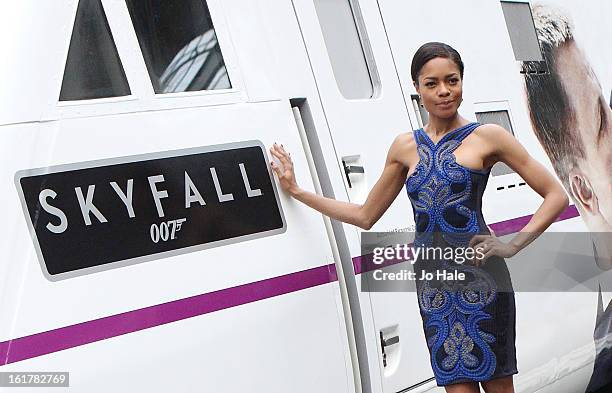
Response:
column 431, row 50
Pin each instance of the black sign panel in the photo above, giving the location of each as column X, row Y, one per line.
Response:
column 130, row 209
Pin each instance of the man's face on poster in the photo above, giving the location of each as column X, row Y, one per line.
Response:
column 591, row 180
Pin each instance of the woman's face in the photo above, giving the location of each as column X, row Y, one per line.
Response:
column 440, row 87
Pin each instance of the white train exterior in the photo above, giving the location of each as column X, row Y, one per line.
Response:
column 107, row 91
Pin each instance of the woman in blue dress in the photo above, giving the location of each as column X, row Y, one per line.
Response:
column 469, row 324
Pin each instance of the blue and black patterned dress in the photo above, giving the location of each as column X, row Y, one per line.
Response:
column 469, row 324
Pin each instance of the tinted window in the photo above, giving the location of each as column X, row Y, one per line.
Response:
column 179, row 45
column 93, row 68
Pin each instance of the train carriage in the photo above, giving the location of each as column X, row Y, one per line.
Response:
column 146, row 245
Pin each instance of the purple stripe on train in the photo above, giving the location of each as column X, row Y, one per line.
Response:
column 116, row 325
column 516, row 224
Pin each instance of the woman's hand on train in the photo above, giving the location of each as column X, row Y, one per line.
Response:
column 487, row 246
column 285, row 173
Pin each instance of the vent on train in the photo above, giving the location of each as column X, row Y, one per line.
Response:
column 522, row 31
column 501, row 118
column 523, row 36
column 93, row 68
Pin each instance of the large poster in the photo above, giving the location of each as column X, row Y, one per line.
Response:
column 573, row 122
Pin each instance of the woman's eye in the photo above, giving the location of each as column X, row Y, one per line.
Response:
column 429, row 84
column 453, row 81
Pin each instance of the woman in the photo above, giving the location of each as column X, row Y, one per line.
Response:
column 470, row 328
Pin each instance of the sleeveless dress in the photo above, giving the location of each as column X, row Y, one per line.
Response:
column 469, row 323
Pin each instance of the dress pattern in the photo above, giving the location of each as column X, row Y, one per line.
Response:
column 469, row 324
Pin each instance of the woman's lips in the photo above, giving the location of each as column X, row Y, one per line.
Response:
column 446, row 103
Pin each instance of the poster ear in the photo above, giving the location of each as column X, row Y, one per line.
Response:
column 582, row 192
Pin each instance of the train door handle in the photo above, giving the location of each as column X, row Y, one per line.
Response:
column 385, row 343
column 348, row 169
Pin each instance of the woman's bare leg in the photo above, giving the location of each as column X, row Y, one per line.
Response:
column 471, row 387
column 499, row 385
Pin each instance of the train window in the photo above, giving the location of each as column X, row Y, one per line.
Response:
column 501, row 118
column 521, row 29
column 351, row 63
column 179, row 45
column 93, row 68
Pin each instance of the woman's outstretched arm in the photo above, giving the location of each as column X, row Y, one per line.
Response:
column 378, row 201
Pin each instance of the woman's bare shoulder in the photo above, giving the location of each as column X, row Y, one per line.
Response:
column 494, row 136
column 405, row 139
column 491, row 131
column 403, row 147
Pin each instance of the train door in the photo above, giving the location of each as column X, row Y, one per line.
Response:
column 365, row 110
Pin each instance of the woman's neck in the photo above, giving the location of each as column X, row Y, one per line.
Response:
column 440, row 126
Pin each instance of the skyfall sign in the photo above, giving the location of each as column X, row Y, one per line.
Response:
column 131, row 209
